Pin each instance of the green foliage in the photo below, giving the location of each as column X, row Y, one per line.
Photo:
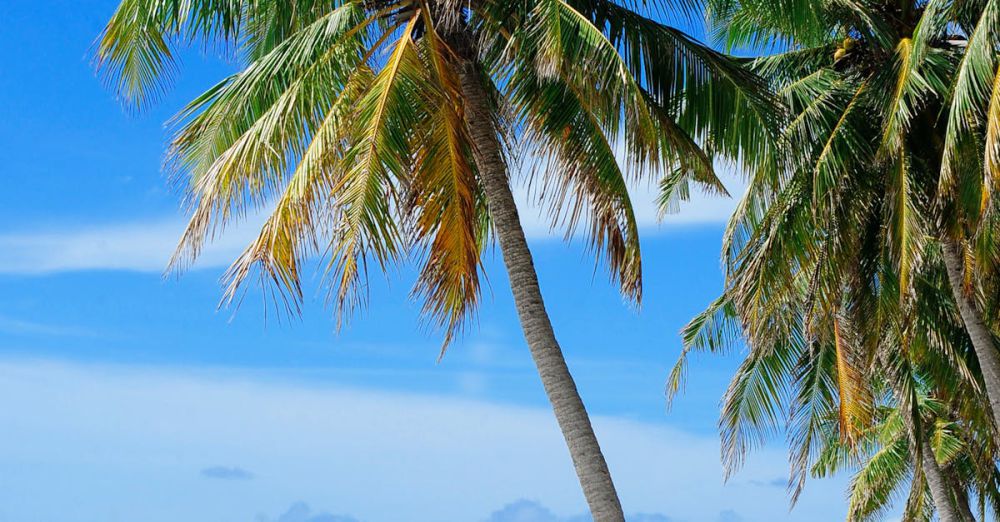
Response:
column 833, row 271
column 346, row 124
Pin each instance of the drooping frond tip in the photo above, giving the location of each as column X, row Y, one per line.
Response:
column 133, row 55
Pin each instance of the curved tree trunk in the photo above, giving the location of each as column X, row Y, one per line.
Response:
column 961, row 498
column 574, row 422
column 938, row 485
column 982, row 338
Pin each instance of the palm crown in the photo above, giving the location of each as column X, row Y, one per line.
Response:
column 347, row 117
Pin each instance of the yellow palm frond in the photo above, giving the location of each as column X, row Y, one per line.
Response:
column 445, row 198
column 365, row 198
column 297, row 222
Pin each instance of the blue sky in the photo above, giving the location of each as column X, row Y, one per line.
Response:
column 127, row 396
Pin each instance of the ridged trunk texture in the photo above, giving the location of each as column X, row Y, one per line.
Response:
column 982, row 338
column 574, row 422
column 938, row 485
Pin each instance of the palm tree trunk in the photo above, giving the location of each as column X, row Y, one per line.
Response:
column 982, row 338
column 961, row 498
column 938, row 485
column 574, row 422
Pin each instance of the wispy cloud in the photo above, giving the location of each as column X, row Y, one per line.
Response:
column 226, row 473
column 15, row 326
column 139, row 247
column 143, row 430
column 146, row 246
column 523, row 511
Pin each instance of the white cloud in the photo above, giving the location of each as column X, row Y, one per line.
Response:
column 140, row 247
column 126, row 443
column 147, row 246
column 523, row 511
column 15, row 326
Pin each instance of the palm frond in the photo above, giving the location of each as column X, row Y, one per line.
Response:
column 135, row 52
column 365, row 197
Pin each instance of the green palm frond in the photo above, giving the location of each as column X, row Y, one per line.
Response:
column 906, row 236
column 239, row 139
column 753, row 404
column 877, row 484
column 136, row 50
column 715, row 330
column 970, row 91
column 915, row 79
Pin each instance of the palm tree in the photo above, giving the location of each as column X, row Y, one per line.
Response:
column 947, row 470
column 384, row 128
column 889, row 406
column 892, row 103
column 928, row 423
column 870, row 234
